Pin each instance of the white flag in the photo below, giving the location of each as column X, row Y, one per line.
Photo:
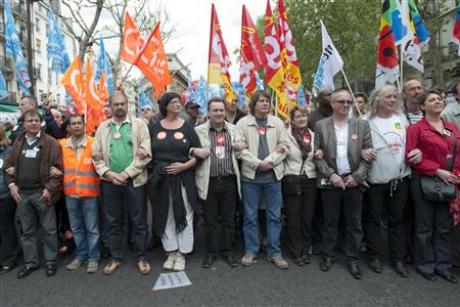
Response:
column 329, row 65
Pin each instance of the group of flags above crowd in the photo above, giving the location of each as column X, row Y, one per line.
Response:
column 400, row 25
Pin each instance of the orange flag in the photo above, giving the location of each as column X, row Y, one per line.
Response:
column 149, row 56
column 94, row 103
column 72, row 81
column 219, row 60
column 252, row 54
column 102, row 90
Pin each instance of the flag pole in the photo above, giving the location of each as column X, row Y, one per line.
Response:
column 351, row 92
column 401, row 66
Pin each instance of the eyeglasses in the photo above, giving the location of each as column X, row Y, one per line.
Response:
column 344, row 102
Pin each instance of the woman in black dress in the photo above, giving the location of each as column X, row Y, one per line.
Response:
column 172, row 189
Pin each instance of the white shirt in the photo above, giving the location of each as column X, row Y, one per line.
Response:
column 391, row 130
column 341, row 135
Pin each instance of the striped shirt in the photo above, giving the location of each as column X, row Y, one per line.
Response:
column 221, row 153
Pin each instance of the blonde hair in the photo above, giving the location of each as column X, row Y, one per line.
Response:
column 374, row 99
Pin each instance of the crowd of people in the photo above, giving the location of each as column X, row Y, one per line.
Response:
column 336, row 178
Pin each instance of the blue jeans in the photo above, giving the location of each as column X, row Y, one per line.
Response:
column 252, row 192
column 83, row 218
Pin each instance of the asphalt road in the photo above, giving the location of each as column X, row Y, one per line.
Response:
column 260, row 284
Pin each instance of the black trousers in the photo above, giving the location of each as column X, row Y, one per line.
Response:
column 433, row 225
column 219, row 210
column 299, row 210
column 8, row 238
column 351, row 200
column 382, row 199
column 456, row 245
column 118, row 199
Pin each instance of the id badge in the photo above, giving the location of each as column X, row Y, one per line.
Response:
column 31, row 153
column 220, row 152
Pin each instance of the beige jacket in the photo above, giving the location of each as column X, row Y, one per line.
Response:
column 293, row 161
column 204, row 168
column 140, row 138
column 276, row 134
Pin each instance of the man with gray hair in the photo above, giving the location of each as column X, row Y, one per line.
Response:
column 342, row 173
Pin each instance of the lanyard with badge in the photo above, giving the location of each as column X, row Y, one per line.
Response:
column 31, row 153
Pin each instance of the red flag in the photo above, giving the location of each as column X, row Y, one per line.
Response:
column 275, row 70
column 219, row 60
column 252, row 53
column 293, row 76
column 456, row 32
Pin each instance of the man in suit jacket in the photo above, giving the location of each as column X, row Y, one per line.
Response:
column 339, row 141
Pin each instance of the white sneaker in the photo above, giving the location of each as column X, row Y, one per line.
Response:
column 169, row 263
column 179, row 264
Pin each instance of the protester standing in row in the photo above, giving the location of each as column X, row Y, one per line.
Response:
column 342, row 173
column 218, row 182
column 438, row 141
column 172, row 188
column 35, row 191
column 299, row 187
column 124, row 174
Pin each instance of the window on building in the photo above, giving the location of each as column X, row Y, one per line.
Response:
column 38, row 71
column 38, row 45
column 37, row 24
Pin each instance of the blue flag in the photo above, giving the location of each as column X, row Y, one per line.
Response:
column 259, row 82
column 201, row 94
column 191, row 93
column 103, row 65
column 240, row 90
column 3, row 89
column 144, row 101
column 13, row 47
column 301, row 101
column 56, row 50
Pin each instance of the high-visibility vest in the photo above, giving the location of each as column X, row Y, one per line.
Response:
column 80, row 177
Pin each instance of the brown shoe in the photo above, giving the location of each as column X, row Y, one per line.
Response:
column 112, row 266
column 144, row 267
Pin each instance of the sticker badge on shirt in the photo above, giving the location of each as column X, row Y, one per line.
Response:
column 262, row 130
column 306, row 139
column 446, row 132
column 398, row 126
column 220, row 138
column 178, row 135
column 117, row 135
column 354, row 136
column 161, row 135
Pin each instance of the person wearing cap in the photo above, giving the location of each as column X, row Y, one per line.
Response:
column 193, row 110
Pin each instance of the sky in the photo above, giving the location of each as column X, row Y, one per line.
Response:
column 191, row 19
